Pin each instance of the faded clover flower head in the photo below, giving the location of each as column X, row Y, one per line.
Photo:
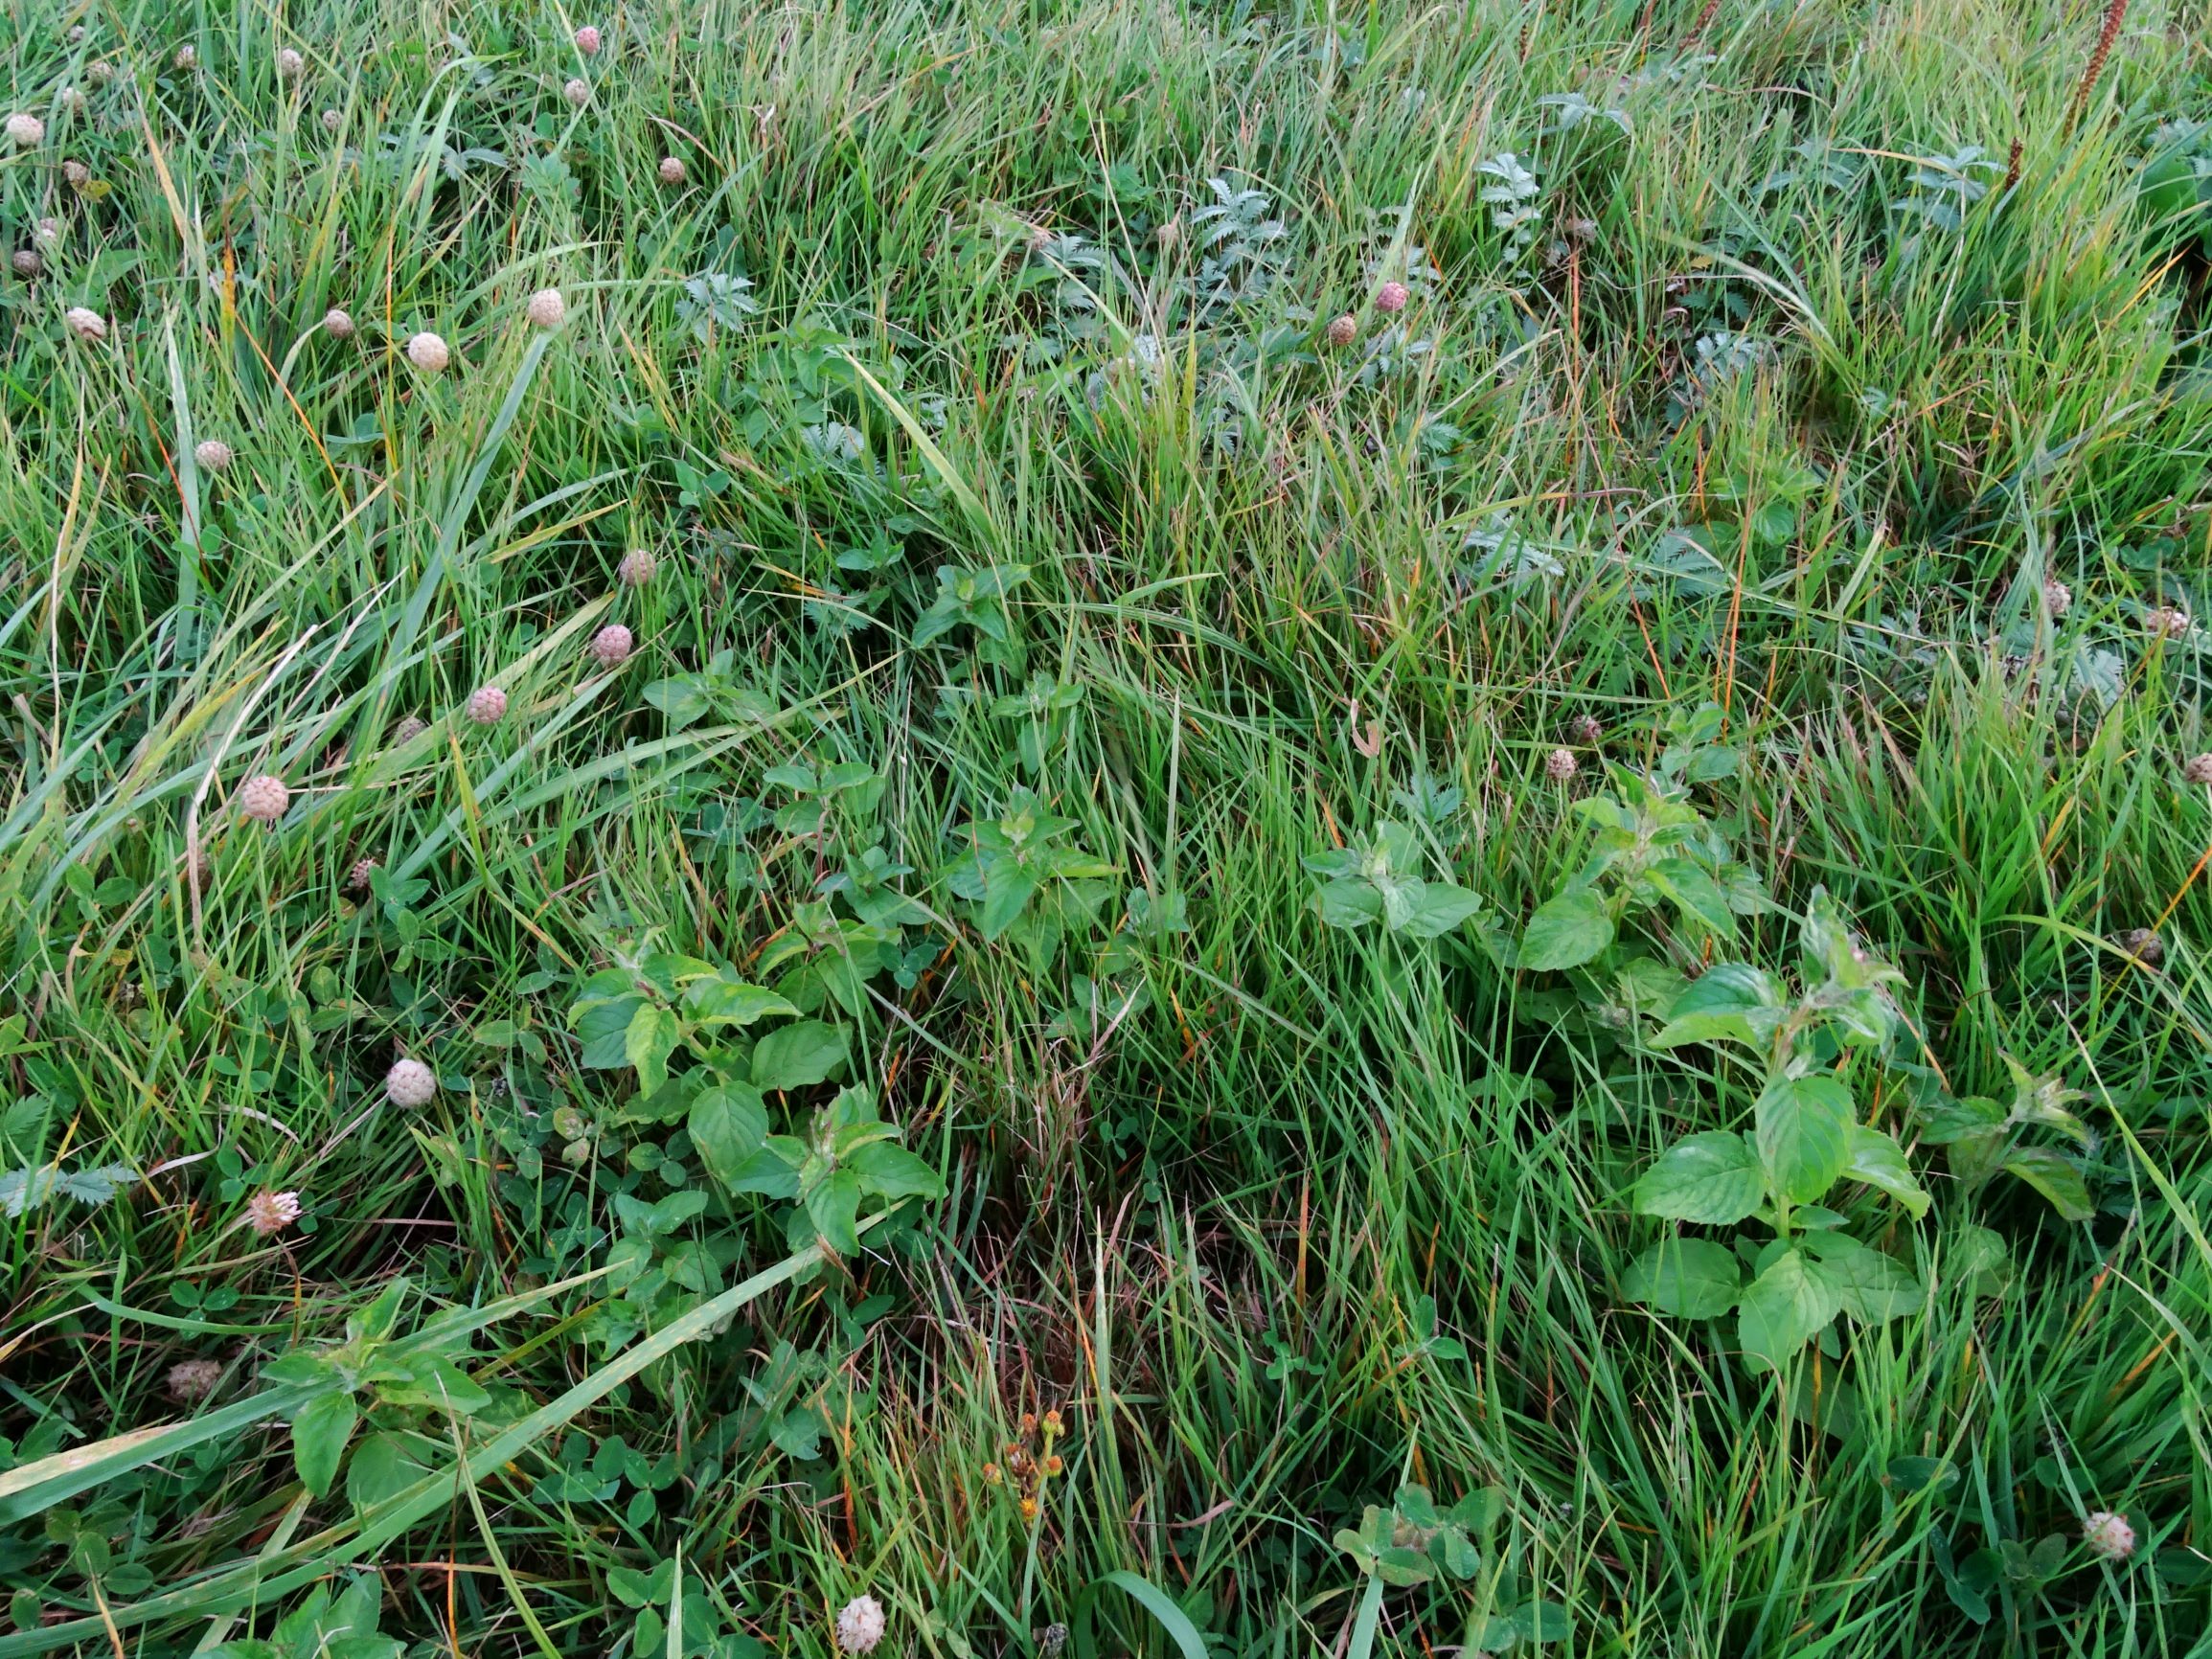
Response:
column 410, row 1083
column 1390, row 298
column 186, row 56
column 486, row 705
column 2058, row 596
column 1561, row 764
column 71, row 99
column 671, row 169
column 587, row 41
column 194, row 1379
column 338, row 323
column 25, row 261
column 2143, row 945
column 409, row 728
column 289, row 63
column 860, row 1625
column 2197, row 769
column 212, row 453
column 47, row 232
column 262, row 798
column 577, row 92
column 2167, row 621
column 1344, row 330
column 85, row 325
column 546, row 308
column 25, row 130
column 100, row 71
column 636, row 568
column 332, row 120
column 269, row 1213
column 1586, row 730
column 75, row 173
column 611, row 645
column 429, row 353
column 358, row 878
column 2107, row 1535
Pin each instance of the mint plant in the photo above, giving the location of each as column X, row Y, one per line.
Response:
column 1414, row 1541
column 1806, row 1141
column 1380, row 880
column 1982, row 1139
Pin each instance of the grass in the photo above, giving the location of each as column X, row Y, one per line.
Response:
column 1036, row 589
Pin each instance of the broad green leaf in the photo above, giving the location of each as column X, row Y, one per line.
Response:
column 1008, row 887
column 1565, row 932
column 319, row 1436
column 1872, row 1287
column 720, row 1001
column 1442, row 907
column 1804, row 1133
column 728, row 1125
column 1688, row 1278
column 1786, row 1307
column 1729, row 1002
column 890, row 1171
column 1877, row 1160
column 2055, row 1176
column 798, row 1055
column 834, row 1206
column 647, row 1043
column 1713, row 1178
column 1347, row 904
column 387, row 1464
column 1695, row 893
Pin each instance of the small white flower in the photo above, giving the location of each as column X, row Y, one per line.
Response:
column 671, row 169
column 636, row 567
column 337, row 324
column 546, row 308
column 410, row 1083
column 860, row 1625
column 587, row 41
column 26, row 130
column 358, row 878
column 486, row 705
column 429, row 353
column 85, row 325
column 264, row 797
column 611, row 644
column 271, row 1213
column 2108, row 1535
column 212, row 453
column 576, row 92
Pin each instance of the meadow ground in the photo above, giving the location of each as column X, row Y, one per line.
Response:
column 1232, row 831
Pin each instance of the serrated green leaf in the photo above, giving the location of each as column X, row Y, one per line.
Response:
column 1803, row 1127
column 1713, row 1178
column 1565, row 932
column 1688, row 1278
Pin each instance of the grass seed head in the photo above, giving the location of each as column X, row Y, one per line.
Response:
column 269, row 1213
column 546, row 308
column 410, row 1083
column 212, row 453
column 486, row 705
column 262, row 798
column 611, row 645
column 1390, row 298
column 860, row 1625
column 429, row 353
column 2107, row 1535
column 25, row 130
